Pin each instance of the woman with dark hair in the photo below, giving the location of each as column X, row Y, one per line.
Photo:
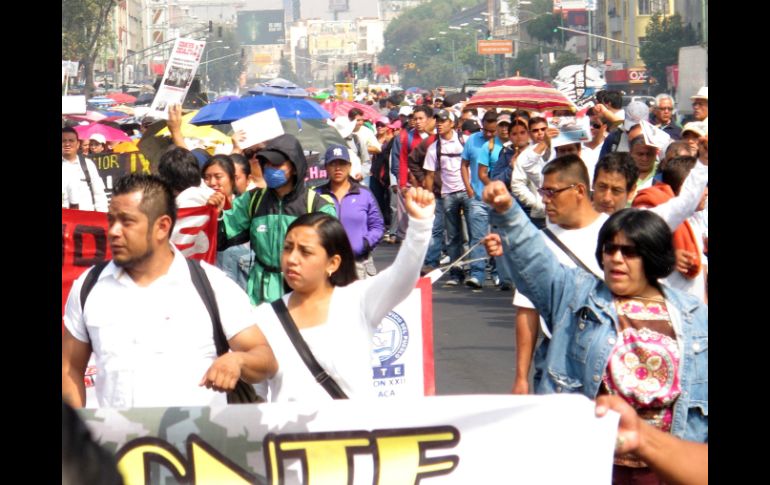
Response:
column 336, row 314
column 242, row 180
column 628, row 335
column 218, row 173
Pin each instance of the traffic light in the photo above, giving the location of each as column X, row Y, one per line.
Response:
column 211, row 26
column 350, row 68
column 489, row 35
column 438, row 47
column 219, row 31
column 355, row 68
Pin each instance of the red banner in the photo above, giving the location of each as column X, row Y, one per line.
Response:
column 84, row 240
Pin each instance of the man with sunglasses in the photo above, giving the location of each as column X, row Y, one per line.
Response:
column 591, row 149
column 573, row 220
column 664, row 116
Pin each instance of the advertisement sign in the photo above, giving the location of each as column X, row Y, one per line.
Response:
column 180, row 71
column 495, row 46
column 568, row 5
column 637, row 75
column 259, row 27
column 431, row 440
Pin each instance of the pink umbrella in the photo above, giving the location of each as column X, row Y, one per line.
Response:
column 341, row 108
column 92, row 116
column 110, row 133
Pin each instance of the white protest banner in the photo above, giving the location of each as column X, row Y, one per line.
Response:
column 481, row 439
column 404, row 346
column 259, row 127
column 178, row 77
column 73, row 105
column 571, row 130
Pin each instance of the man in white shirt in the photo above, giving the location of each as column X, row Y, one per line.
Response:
column 146, row 323
column 571, row 218
column 82, row 187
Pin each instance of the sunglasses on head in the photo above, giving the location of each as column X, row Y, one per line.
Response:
column 627, row 250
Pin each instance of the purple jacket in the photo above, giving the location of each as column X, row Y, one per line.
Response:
column 360, row 216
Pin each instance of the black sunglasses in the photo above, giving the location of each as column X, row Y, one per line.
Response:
column 626, row 250
column 550, row 193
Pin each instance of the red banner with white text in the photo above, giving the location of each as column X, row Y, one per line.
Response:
column 84, row 240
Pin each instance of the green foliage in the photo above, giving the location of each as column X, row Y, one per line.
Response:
column 85, row 28
column 286, row 71
column 665, row 35
column 542, row 28
column 526, row 63
column 436, row 62
column 564, row 59
column 223, row 72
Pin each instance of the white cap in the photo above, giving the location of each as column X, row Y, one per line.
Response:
column 405, row 110
column 636, row 111
column 98, row 137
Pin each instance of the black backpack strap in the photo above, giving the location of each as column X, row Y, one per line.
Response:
column 202, row 284
column 329, row 384
column 567, row 250
column 88, row 284
column 84, row 167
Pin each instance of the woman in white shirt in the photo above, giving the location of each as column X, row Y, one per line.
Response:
column 335, row 314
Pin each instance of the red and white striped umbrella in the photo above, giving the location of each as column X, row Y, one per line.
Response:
column 520, row 93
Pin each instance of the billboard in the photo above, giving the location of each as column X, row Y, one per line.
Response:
column 496, row 46
column 260, row 27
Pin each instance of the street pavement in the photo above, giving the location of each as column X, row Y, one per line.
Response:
column 473, row 332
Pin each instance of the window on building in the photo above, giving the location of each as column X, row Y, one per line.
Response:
column 644, row 7
column 650, row 7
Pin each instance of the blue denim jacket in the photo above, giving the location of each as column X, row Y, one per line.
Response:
column 579, row 311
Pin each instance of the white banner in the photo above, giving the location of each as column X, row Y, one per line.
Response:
column 481, row 439
column 178, row 77
column 404, row 345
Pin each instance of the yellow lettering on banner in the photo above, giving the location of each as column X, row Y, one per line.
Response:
column 114, row 161
column 401, row 458
column 134, row 459
column 325, row 455
column 145, row 164
column 210, row 467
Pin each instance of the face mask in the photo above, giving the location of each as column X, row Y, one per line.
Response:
column 274, row 177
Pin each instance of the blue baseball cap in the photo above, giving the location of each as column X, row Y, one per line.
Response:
column 336, row 152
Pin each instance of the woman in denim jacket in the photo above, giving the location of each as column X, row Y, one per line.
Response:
column 630, row 336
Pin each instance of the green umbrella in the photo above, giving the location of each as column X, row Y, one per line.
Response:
column 315, row 135
column 322, row 95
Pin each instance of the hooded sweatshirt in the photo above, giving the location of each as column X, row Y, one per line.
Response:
column 265, row 217
column 683, row 236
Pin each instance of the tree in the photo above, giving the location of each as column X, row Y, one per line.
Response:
column 564, row 59
column 543, row 28
column 665, row 35
column 224, row 68
column 286, row 71
column 85, row 30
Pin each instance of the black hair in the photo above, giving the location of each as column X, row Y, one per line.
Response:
column 613, row 99
column 157, row 198
column 241, row 161
column 619, row 162
column 69, row 129
column 571, row 166
column 83, row 460
column 179, row 168
column 425, row 109
column 334, row 240
column 473, row 111
column 636, row 141
column 674, row 148
column 535, row 120
column 224, row 162
column 489, row 117
column 354, row 112
column 649, row 233
column 676, row 171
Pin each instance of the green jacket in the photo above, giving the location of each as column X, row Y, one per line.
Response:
column 265, row 217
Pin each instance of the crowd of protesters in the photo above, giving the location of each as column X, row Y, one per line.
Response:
column 604, row 243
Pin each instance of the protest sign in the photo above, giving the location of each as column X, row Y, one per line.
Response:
column 180, row 71
column 571, row 130
column 438, row 440
column 259, row 127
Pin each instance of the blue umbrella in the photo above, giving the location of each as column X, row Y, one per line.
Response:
column 279, row 87
column 228, row 97
column 287, row 108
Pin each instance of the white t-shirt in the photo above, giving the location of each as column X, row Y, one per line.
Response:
column 343, row 344
column 367, row 138
column 582, row 242
column 590, row 156
column 194, row 196
column 451, row 163
column 75, row 187
column 154, row 344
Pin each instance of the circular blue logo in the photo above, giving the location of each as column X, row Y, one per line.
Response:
column 391, row 339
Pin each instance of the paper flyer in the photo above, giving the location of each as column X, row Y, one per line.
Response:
column 654, row 136
column 571, row 130
column 180, row 71
column 259, row 127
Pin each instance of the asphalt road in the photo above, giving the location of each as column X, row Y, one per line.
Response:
column 473, row 334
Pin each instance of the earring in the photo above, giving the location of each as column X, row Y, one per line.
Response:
column 330, row 274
